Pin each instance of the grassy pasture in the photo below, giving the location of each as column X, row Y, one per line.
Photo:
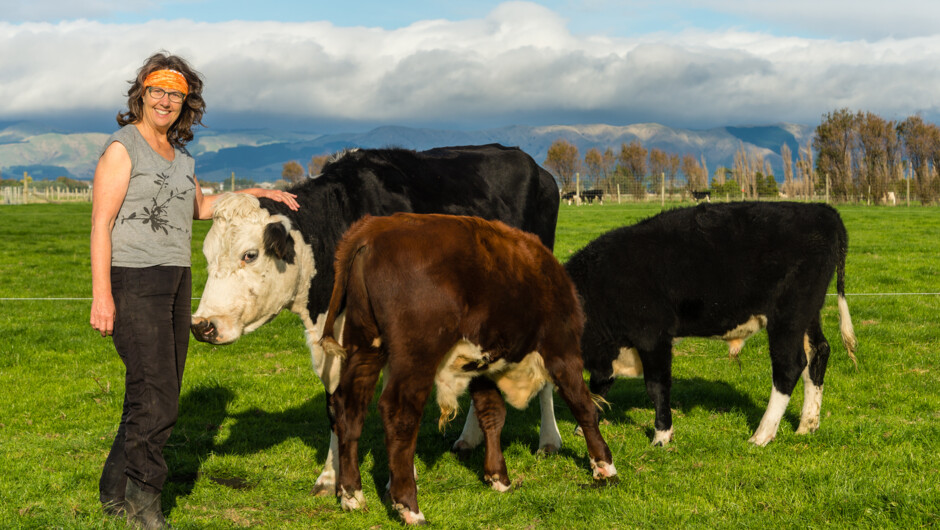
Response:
column 252, row 434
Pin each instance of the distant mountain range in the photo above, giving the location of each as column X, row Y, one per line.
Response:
column 260, row 154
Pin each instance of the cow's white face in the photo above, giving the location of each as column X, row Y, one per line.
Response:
column 258, row 265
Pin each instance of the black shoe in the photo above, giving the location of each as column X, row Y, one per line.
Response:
column 143, row 508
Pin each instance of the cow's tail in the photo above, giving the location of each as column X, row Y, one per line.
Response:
column 845, row 319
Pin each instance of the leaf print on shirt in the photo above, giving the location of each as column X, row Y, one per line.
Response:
column 156, row 215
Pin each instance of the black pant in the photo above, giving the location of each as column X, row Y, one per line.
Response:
column 151, row 334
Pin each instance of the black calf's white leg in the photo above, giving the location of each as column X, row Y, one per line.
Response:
column 817, row 357
column 788, row 360
column 657, row 373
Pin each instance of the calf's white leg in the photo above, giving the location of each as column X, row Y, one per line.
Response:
column 769, row 424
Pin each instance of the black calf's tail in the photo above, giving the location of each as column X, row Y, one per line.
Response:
column 845, row 319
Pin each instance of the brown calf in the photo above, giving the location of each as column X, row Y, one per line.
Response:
column 442, row 300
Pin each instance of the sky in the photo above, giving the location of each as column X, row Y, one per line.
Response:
column 352, row 65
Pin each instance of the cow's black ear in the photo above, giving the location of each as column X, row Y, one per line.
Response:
column 278, row 242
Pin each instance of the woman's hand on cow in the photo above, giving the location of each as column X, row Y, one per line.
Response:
column 286, row 197
column 102, row 315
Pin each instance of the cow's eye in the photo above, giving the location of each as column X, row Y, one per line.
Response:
column 250, row 256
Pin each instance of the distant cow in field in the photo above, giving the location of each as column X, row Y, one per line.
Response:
column 702, row 196
column 587, row 195
column 452, row 302
column 593, row 195
column 264, row 258
column 714, row 270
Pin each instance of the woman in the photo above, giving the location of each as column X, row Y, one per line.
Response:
column 144, row 200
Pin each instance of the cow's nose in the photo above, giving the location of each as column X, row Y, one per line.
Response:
column 204, row 330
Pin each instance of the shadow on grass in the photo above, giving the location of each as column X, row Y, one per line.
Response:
column 201, row 411
column 686, row 395
column 204, row 409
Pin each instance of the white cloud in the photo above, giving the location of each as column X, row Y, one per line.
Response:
column 519, row 62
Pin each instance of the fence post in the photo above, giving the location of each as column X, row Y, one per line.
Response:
column 26, row 180
column 577, row 188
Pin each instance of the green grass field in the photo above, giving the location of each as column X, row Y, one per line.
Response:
column 253, row 433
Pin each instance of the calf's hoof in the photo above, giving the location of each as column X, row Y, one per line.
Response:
column 808, row 426
column 497, row 484
column 547, row 450
column 761, row 440
column 602, row 482
column 352, row 501
column 409, row 517
column 662, row 438
column 603, row 470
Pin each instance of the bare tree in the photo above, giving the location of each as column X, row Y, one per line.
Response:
column 720, row 177
column 293, row 172
column 741, row 171
column 878, row 145
column 789, row 187
column 920, row 141
column 659, row 166
column 600, row 167
column 563, row 161
column 695, row 176
column 632, row 164
column 315, row 166
column 806, row 172
column 834, row 143
column 672, row 171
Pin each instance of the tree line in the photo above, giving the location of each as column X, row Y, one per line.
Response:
column 638, row 171
column 852, row 157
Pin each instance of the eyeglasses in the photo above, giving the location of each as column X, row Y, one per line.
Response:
column 157, row 93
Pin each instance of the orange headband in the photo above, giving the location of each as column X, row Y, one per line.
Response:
column 167, row 79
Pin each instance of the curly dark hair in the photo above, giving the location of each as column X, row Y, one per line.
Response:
column 181, row 132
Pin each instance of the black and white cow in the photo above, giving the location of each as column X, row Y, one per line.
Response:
column 264, row 258
column 714, row 270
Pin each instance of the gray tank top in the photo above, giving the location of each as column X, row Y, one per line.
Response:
column 154, row 225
